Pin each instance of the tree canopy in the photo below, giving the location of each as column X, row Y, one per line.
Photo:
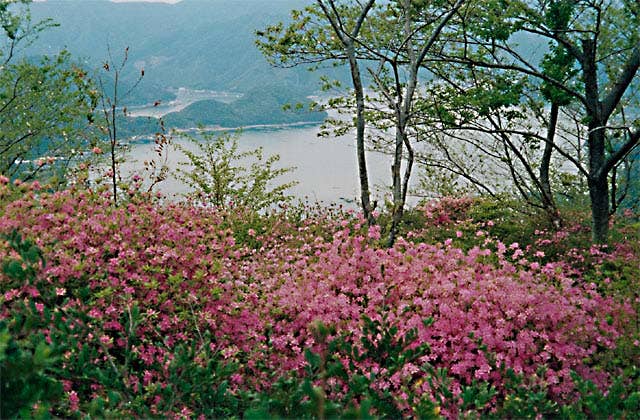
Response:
column 45, row 102
column 489, row 95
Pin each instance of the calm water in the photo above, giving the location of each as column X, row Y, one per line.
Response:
column 326, row 169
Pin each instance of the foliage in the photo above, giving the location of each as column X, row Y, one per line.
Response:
column 222, row 306
column 264, row 105
column 45, row 103
column 578, row 79
column 339, row 382
column 220, row 174
column 187, row 310
column 27, row 381
column 390, row 41
column 619, row 401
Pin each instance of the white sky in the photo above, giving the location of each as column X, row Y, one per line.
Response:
column 147, row 1
column 130, row 1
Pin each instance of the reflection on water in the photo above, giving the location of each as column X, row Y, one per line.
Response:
column 326, row 169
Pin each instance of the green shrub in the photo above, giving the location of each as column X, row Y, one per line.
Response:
column 220, row 175
column 28, row 363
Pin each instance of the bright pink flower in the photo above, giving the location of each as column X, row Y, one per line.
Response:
column 147, row 378
column 186, row 274
column 11, row 294
column 74, row 401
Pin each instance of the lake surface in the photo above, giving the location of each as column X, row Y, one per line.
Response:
column 326, row 168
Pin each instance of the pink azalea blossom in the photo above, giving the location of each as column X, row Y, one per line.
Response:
column 74, row 401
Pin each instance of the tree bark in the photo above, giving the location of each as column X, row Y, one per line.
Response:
column 348, row 41
column 597, row 182
column 398, row 204
column 365, row 195
column 545, row 183
column 598, row 113
column 599, row 194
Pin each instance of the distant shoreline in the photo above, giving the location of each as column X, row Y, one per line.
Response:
column 146, row 138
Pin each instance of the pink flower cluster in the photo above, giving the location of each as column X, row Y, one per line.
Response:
column 183, row 267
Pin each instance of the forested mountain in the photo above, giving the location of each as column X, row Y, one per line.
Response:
column 195, row 44
column 273, row 104
column 248, row 110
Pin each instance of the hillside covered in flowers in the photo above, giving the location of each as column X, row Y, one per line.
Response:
column 176, row 310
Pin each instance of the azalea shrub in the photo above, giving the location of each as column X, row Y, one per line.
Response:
column 152, row 309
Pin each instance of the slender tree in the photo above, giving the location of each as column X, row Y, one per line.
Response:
column 111, row 100
column 419, row 25
column 327, row 31
column 392, row 41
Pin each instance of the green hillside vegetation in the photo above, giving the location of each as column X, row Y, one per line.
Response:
column 208, row 112
column 279, row 99
column 138, row 126
column 274, row 104
column 189, row 44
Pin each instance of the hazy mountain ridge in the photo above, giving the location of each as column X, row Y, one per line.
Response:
column 194, row 44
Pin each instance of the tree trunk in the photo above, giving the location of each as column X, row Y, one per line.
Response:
column 398, row 205
column 599, row 193
column 365, row 195
column 545, row 184
column 408, row 169
column 114, row 143
column 598, row 185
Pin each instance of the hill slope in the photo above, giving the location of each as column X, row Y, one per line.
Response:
column 195, row 44
column 274, row 104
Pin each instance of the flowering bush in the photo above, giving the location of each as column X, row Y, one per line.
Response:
column 183, row 310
